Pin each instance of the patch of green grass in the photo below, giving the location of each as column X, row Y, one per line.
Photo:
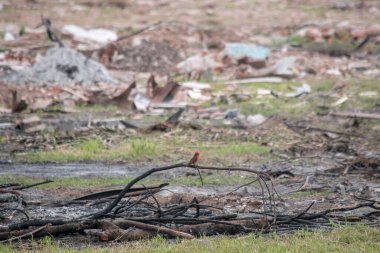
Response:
column 22, row 31
column 75, row 182
column 323, row 85
column 66, row 182
column 2, row 138
column 236, row 149
column 97, row 108
column 268, row 105
column 141, row 147
column 95, row 150
column 152, row 148
column 317, row 99
column 357, row 102
column 217, row 87
column 296, row 40
column 231, row 152
column 353, row 239
column 218, row 179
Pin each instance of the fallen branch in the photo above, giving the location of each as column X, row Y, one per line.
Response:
column 26, row 234
column 32, row 185
column 356, row 115
column 149, row 227
column 68, row 228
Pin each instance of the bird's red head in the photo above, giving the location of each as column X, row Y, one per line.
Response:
column 197, row 153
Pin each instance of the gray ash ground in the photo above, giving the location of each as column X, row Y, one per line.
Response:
column 326, row 189
column 61, row 66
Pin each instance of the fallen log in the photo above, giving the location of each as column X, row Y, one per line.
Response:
column 69, row 228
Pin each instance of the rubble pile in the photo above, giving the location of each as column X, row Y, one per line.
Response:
column 61, row 66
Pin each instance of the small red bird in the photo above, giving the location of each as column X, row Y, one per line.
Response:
column 195, row 158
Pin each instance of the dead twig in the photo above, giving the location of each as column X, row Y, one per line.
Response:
column 146, row 28
column 32, row 185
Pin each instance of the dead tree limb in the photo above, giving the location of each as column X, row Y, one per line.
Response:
column 162, row 230
column 31, row 233
column 69, row 228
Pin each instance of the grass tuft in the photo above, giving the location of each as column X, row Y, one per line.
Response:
column 349, row 239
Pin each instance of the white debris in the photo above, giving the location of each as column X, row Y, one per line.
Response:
column 369, row 94
column 255, row 120
column 196, row 85
column 197, row 94
column 8, row 36
column 101, row 36
column 263, row 91
column 340, row 101
column 255, row 80
column 199, row 63
column 141, row 103
column 285, row 67
column 334, row 72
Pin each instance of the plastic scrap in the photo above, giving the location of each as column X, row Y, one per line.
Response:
column 249, row 50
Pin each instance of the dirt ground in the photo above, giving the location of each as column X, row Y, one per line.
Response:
column 319, row 140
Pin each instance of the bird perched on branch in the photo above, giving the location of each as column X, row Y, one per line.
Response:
column 195, row 158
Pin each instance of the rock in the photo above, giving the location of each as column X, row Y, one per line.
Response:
column 231, row 114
